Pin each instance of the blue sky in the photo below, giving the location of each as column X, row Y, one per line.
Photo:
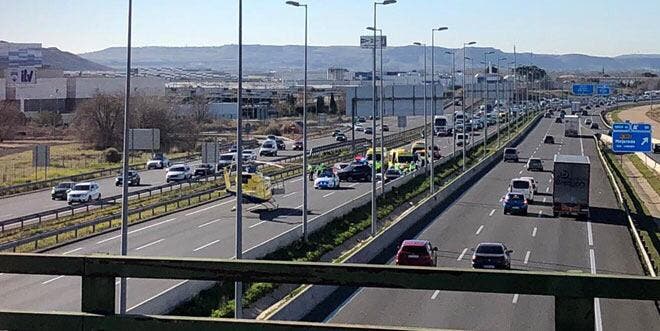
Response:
column 603, row 27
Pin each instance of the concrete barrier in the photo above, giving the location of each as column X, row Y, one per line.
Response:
column 312, row 295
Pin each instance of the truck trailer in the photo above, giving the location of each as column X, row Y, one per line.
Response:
column 570, row 192
column 571, row 124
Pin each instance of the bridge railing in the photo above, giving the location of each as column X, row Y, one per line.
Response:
column 574, row 293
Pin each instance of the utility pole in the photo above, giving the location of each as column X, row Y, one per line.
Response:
column 238, row 286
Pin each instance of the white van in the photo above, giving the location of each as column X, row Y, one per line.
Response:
column 522, row 186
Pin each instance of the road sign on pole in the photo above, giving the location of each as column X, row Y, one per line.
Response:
column 402, row 121
column 583, row 89
column 368, row 42
column 632, row 137
column 210, row 152
column 603, row 90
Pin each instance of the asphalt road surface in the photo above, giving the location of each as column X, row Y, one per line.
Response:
column 540, row 242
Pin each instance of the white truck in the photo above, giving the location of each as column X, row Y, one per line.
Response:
column 571, row 125
column 442, row 126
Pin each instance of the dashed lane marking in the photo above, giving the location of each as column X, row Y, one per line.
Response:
column 460, row 257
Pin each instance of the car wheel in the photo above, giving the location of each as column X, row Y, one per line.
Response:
column 524, row 213
column 89, row 198
column 69, row 203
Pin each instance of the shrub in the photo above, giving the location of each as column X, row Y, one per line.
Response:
column 112, row 155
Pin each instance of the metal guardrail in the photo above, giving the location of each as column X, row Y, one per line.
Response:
column 399, row 139
column 573, row 293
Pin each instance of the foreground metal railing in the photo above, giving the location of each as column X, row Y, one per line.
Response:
column 574, row 293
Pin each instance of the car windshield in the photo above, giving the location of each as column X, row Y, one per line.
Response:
column 226, row 157
column 521, row 184
column 392, row 172
column 406, row 158
column 515, row 197
column 419, row 250
column 268, row 145
column 509, row 151
column 326, row 173
column 204, row 166
column 178, row 169
column 490, row 249
column 535, row 162
column 81, row 187
column 64, row 185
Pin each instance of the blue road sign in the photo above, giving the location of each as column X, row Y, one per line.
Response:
column 603, row 90
column 631, row 138
column 583, row 89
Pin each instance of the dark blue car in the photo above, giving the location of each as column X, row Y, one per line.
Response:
column 514, row 203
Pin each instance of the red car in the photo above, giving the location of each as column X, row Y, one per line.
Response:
column 417, row 253
column 298, row 145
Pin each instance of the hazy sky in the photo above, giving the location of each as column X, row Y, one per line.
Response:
column 603, row 27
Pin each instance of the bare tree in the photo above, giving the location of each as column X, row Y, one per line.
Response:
column 10, row 119
column 200, row 109
column 99, row 121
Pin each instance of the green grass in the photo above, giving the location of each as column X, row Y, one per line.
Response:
column 65, row 160
column 649, row 174
column 648, row 231
column 217, row 301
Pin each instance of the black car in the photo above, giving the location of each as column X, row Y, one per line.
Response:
column 133, row 178
column 361, row 120
column 340, row 137
column 549, row 139
column 386, row 128
column 204, row 169
column 280, row 144
column 656, row 148
column 355, row 172
column 594, row 125
column 60, row 191
column 558, row 120
column 585, row 113
column 491, row 255
column 298, row 145
column 548, row 115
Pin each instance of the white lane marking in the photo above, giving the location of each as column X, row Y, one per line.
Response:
column 599, row 320
column 526, row 257
column 298, row 207
column 534, row 232
column 590, row 236
column 580, row 134
column 207, row 208
column 515, row 299
column 208, row 223
column 547, row 189
column 550, row 180
column 544, row 199
column 329, row 194
column 207, row 245
column 51, row 280
column 254, row 208
column 460, row 257
column 352, row 185
column 72, row 251
column 136, row 231
column 592, row 261
column 435, row 294
column 288, row 195
column 540, row 213
column 159, row 294
column 479, row 230
column 255, row 225
column 491, row 212
column 520, row 172
column 296, row 180
column 149, row 244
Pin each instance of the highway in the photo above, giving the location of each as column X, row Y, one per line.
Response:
column 540, row 242
column 39, row 201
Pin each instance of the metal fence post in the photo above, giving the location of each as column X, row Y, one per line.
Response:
column 574, row 313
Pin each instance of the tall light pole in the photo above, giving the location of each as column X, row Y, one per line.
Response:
column 382, row 115
column 453, row 94
column 473, row 80
column 426, row 119
column 497, row 96
column 238, row 286
column 488, row 98
column 374, row 196
column 304, row 173
column 124, row 185
column 433, row 104
column 463, row 93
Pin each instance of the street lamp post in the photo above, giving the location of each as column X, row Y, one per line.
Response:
column 304, row 172
column 497, row 97
column 382, row 115
column 487, row 98
column 374, row 210
column 238, row 286
column 125, row 164
column 463, row 94
column 433, row 104
column 426, row 119
column 453, row 91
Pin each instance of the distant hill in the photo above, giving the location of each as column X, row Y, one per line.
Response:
column 58, row 59
column 403, row 58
